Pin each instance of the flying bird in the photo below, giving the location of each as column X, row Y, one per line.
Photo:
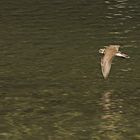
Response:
column 109, row 53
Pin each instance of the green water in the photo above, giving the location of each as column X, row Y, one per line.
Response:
column 51, row 86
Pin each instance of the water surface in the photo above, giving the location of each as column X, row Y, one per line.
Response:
column 51, row 86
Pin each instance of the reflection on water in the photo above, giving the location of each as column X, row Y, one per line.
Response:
column 51, row 86
column 112, row 118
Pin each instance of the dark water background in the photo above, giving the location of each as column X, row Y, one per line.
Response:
column 51, row 86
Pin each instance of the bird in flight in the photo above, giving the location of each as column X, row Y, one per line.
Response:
column 108, row 54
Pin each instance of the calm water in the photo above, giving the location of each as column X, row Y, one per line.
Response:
column 51, row 86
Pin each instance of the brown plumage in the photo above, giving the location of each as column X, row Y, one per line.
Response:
column 106, row 61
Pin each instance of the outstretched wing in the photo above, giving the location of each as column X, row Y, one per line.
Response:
column 105, row 66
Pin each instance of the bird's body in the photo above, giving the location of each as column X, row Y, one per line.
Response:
column 109, row 53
